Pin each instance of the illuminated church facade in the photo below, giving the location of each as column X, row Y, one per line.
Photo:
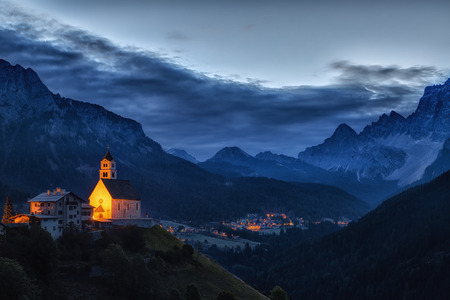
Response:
column 112, row 198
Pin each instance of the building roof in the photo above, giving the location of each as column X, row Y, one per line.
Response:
column 45, row 197
column 99, row 209
column 121, row 189
column 108, row 156
column 86, row 205
column 53, row 196
column 40, row 216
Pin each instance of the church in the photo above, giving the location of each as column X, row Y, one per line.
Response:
column 112, row 202
column 115, row 201
column 113, row 198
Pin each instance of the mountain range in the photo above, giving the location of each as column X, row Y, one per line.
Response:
column 388, row 156
column 49, row 141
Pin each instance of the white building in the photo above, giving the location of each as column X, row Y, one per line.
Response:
column 55, row 210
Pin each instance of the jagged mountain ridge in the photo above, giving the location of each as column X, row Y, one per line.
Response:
column 50, row 141
column 393, row 148
column 234, row 162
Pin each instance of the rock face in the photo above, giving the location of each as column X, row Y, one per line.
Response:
column 394, row 148
column 50, row 141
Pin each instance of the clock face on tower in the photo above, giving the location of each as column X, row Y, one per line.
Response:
column 100, row 201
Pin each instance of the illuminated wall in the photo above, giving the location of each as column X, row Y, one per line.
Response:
column 101, row 200
column 125, row 209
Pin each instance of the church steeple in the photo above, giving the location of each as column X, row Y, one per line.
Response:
column 108, row 167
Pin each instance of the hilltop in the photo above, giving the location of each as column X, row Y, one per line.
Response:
column 125, row 263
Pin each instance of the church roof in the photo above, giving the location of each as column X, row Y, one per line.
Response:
column 108, row 156
column 121, row 189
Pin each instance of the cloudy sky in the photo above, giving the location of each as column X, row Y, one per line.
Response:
column 261, row 75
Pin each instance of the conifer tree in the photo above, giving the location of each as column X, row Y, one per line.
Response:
column 8, row 211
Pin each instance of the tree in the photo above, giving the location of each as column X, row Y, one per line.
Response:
column 33, row 248
column 8, row 212
column 192, row 293
column 225, row 295
column 14, row 282
column 277, row 293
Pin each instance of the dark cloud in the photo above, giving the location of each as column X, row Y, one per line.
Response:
column 180, row 108
column 353, row 72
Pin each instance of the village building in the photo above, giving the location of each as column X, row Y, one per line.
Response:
column 55, row 210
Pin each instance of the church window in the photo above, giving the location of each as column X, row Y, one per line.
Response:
column 128, row 206
column 105, row 174
column 112, row 175
column 137, row 206
column 48, row 204
column 112, row 165
column 42, row 204
column 118, row 206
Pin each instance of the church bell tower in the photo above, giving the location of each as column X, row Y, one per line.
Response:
column 108, row 167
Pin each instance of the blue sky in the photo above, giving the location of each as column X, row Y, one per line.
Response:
column 261, row 75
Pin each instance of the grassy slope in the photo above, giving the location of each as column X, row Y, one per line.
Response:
column 209, row 277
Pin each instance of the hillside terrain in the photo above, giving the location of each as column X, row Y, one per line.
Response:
column 125, row 263
column 400, row 250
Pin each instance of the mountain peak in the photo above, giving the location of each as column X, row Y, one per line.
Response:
column 4, row 64
column 343, row 130
column 230, row 154
column 181, row 153
column 396, row 116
